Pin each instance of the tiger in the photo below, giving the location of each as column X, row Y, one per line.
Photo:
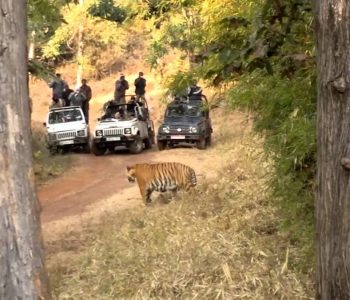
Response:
column 161, row 177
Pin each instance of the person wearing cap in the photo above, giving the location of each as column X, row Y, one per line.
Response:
column 140, row 87
column 121, row 86
column 86, row 90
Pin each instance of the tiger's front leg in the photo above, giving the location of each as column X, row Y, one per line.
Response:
column 145, row 194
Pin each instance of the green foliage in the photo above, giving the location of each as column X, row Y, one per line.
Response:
column 43, row 18
column 178, row 83
column 284, row 113
column 158, row 50
column 40, row 70
column 105, row 9
column 105, row 42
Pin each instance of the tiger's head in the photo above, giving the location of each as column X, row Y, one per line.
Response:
column 131, row 173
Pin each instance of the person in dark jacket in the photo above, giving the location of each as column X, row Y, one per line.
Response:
column 140, row 87
column 65, row 96
column 58, row 86
column 121, row 86
column 194, row 92
column 77, row 98
column 86, row 90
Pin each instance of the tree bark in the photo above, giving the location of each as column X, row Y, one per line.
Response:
column 80, row 51
column 22, row 269
column 333, row 126
column 31, row 51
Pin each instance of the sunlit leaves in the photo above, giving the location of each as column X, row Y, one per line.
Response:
column 106, row 9
column 43, row 17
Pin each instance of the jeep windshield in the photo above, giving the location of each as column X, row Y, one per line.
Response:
column 65, row 116
column 183, row 110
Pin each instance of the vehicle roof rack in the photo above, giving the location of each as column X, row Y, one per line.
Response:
column 186, row 99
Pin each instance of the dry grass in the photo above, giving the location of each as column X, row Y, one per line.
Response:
column 219, row 242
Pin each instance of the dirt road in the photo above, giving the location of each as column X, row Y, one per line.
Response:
column 93, row 180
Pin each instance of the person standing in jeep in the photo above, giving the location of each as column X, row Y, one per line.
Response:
column 140, row 87
column 121, row 86
column 86, row 90
column 194, row 92
column 58, row 87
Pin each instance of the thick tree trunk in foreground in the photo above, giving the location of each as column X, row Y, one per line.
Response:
column 22, row 269
column 333, row 189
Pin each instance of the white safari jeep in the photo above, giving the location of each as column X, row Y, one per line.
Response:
column 67, row 129
column 126, row 125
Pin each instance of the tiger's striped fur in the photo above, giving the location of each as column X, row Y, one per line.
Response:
column 161, row 177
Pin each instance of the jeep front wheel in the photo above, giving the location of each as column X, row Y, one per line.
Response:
column 148, row 143
column 136, row 146
column 161, row 145
column 208, row 141
column 95, row 149
column 202, row 143
column 86, row 148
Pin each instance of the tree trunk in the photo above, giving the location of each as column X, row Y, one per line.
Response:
column 80, row 51
column 22, row 271
column 190, row 26
column 333, row 161
column 31, row 51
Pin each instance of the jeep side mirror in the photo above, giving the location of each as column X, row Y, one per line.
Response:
column 44, row 124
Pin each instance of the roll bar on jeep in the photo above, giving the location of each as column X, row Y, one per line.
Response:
column 186, row 99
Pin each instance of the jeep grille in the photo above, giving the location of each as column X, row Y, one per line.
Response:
column 66, row 135
column 115, row 131
column 179, row 129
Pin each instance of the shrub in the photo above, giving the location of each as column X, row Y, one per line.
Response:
column 284, row 112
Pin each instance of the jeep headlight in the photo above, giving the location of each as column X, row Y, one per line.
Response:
column 193, row 129
column 99, row 133
column 165, row 129
column 127, row 130
column 81, row 132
